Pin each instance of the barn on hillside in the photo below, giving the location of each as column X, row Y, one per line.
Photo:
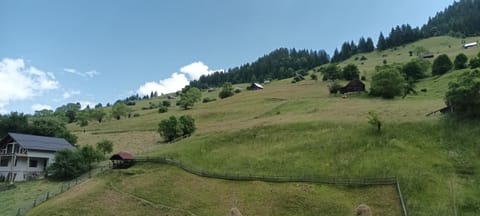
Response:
column 122, row 160
column 255, row 86
column 353, row 86
column 470, row 45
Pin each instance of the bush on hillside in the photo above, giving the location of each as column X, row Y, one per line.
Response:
column 173, row 127
column 334, row 87
column 463, row 95
column 330, row 72
column 441, row 65
column 207, row 99
column 387, row 82
column 105, row 146
column 460, row 61
column 474, row 63
column 350, row 72
column 166, row 103
column 414, row 70
column 70, row 164
column 227, row 90
column 162, row 109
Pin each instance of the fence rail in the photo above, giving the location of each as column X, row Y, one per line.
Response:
column 227, row 176
column 65, row 186
column 283, row 179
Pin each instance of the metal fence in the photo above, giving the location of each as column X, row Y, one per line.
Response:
column 59, row 190
column 283, row 179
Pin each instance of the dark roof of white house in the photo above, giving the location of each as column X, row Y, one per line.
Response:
column 42, row 143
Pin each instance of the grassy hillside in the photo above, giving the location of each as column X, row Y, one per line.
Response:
column 170, row 191
column 297, row 129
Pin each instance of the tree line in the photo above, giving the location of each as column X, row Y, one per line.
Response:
column 281, row 63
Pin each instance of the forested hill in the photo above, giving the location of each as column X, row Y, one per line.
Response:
column 279, row 64
column 461, row 19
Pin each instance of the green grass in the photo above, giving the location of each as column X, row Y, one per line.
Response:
column 23, row 195
column 169, row 186
column 294, row 130
column 426, row 156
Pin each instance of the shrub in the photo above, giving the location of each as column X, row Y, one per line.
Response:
column 173, row 128
column 72, row 163
column 105, row 146
column 350, row 72
column 441, row 65
column 363, row 58
column 227, row 90
column 334, row 87
column 130, row 103
column 237, row 90
column 374, row 120
column 474, row 63
column 413, row 70
column 463, row 95
column 189, row 96
column 187, row 125
column 207, row 99
column 387, row 82
column 330, row 72
column 163, row 109
column 136, row 115
column 166, row 103
column 460, row 61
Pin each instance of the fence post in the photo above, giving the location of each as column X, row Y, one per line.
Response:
column 404, row 207
column 61, row 189
column 34, row 202
column 19, row 212
column 48, row 194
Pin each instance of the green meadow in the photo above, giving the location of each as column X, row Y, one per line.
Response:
column 293, row 130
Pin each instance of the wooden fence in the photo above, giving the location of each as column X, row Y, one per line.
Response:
column 59, row 190
column 284, row 179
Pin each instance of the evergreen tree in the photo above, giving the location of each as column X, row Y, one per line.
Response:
column 382, row 43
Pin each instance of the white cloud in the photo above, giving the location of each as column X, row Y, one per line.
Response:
column 89, row 74
column 177, row 80
column 21, row 82
column 37, row 107
column 69, row 94
column 196, row 69
column 174, row 83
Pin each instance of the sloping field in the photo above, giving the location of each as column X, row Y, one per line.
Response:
column 152, row 189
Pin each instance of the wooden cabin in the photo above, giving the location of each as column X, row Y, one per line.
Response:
column 353, row 86
column 122, row 160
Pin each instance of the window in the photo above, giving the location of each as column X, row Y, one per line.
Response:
column 4, row 162
column 33, row 163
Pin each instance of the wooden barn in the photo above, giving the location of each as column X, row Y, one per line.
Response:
column 255, row 86
column 353, row 86
column 122, row 160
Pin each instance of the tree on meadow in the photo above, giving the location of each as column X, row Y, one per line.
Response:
column 460, row 61
column 387, row 83
column 441, row 65
column 189, row 96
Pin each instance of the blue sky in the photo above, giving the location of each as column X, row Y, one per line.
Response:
column 90, row 51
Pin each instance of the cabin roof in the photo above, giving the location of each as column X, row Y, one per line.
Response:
column 34, row 142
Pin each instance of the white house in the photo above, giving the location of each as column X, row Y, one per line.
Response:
column 24, row 157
